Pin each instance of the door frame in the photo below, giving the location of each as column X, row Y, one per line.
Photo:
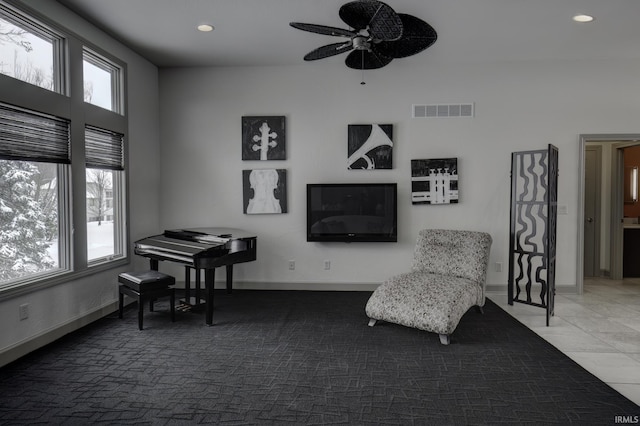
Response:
column 615, row 255
column 598, row 202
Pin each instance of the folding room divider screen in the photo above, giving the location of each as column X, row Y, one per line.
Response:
column 532, row 241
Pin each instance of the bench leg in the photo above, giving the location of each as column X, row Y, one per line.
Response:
column 120, row 305
column 229, row 279
column 151, row 296
column 140, row 312
column 173, row 305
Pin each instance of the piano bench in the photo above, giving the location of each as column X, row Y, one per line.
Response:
column 148, row 285
column 146, row 280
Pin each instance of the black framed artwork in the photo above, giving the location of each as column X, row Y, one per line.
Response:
column 434, row 181
column 264, row 191
column 370, row 146
column 263, row 138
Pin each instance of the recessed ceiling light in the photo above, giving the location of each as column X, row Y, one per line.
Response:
column 583, row 18
column 205, row 28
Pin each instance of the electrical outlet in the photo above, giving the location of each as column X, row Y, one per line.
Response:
column 292, row 265
column 498, row 266
column 327, row 265
column 24, row 311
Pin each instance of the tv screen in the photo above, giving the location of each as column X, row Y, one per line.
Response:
column 350, row 212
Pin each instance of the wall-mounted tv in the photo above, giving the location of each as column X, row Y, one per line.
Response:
column 352, row 212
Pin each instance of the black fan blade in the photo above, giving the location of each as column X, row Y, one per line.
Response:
column 328, row 50
column 382, row 22
column 365, row 60
column 323, row 29
column 417, row 36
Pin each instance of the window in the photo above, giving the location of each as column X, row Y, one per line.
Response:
column 52, row 227
column 29, row 219
column 102, row 226
column 101, row 81
column 104, row 159
column 33, row 159
column 28, row 51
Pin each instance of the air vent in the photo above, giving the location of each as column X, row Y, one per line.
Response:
column 443, row 111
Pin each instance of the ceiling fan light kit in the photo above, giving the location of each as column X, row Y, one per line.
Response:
column 378, row 35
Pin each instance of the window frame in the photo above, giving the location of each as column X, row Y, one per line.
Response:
column 68, row 103
column 18, row 17
column 100, row 61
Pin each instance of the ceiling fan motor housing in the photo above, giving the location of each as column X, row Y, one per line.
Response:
column 361, row 42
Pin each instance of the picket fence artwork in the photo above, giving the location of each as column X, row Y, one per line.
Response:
column 434, row 181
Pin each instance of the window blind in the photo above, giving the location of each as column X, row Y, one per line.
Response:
column 103, row 149
column 31, row 136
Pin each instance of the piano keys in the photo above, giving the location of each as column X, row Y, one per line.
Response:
column 201, row 248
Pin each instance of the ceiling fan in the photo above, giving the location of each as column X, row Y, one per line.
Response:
column 379, row 35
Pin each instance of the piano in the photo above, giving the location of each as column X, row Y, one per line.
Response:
column 200, row 248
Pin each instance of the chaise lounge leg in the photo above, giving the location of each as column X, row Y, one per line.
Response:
column 445, row 339
column 372, row 322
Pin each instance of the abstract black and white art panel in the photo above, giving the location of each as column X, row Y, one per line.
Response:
column 370, row 146
column 263, row 138
column 264, row 191
column 434, row 181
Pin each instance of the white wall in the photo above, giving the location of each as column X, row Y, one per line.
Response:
column 518, row 106
column 66, row 306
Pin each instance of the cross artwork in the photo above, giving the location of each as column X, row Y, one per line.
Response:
column 263, row 138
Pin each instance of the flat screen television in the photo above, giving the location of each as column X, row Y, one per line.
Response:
column 352, row 212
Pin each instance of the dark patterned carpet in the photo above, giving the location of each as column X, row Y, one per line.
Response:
column 302, row 358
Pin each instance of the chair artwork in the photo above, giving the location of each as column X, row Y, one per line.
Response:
column 447, row 278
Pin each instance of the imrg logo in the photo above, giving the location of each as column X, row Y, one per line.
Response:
column 629, row 420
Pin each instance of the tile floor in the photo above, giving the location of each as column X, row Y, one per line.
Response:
column 599, row 329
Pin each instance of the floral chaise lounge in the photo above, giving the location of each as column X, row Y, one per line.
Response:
column 448, row 277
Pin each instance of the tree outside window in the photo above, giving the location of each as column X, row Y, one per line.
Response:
column 28, row 218
column 99, row 195
column 100, row 214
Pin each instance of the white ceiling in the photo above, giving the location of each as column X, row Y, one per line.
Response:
column 257, row 32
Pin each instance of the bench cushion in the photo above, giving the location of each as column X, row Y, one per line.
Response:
column 146, row 280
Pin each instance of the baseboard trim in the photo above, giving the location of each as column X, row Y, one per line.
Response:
column 490, row 288
column 340, row 286
column 303, row 286
column 22, row 348
column 502, row 288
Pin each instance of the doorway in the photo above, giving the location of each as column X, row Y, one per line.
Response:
column 600, row 230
